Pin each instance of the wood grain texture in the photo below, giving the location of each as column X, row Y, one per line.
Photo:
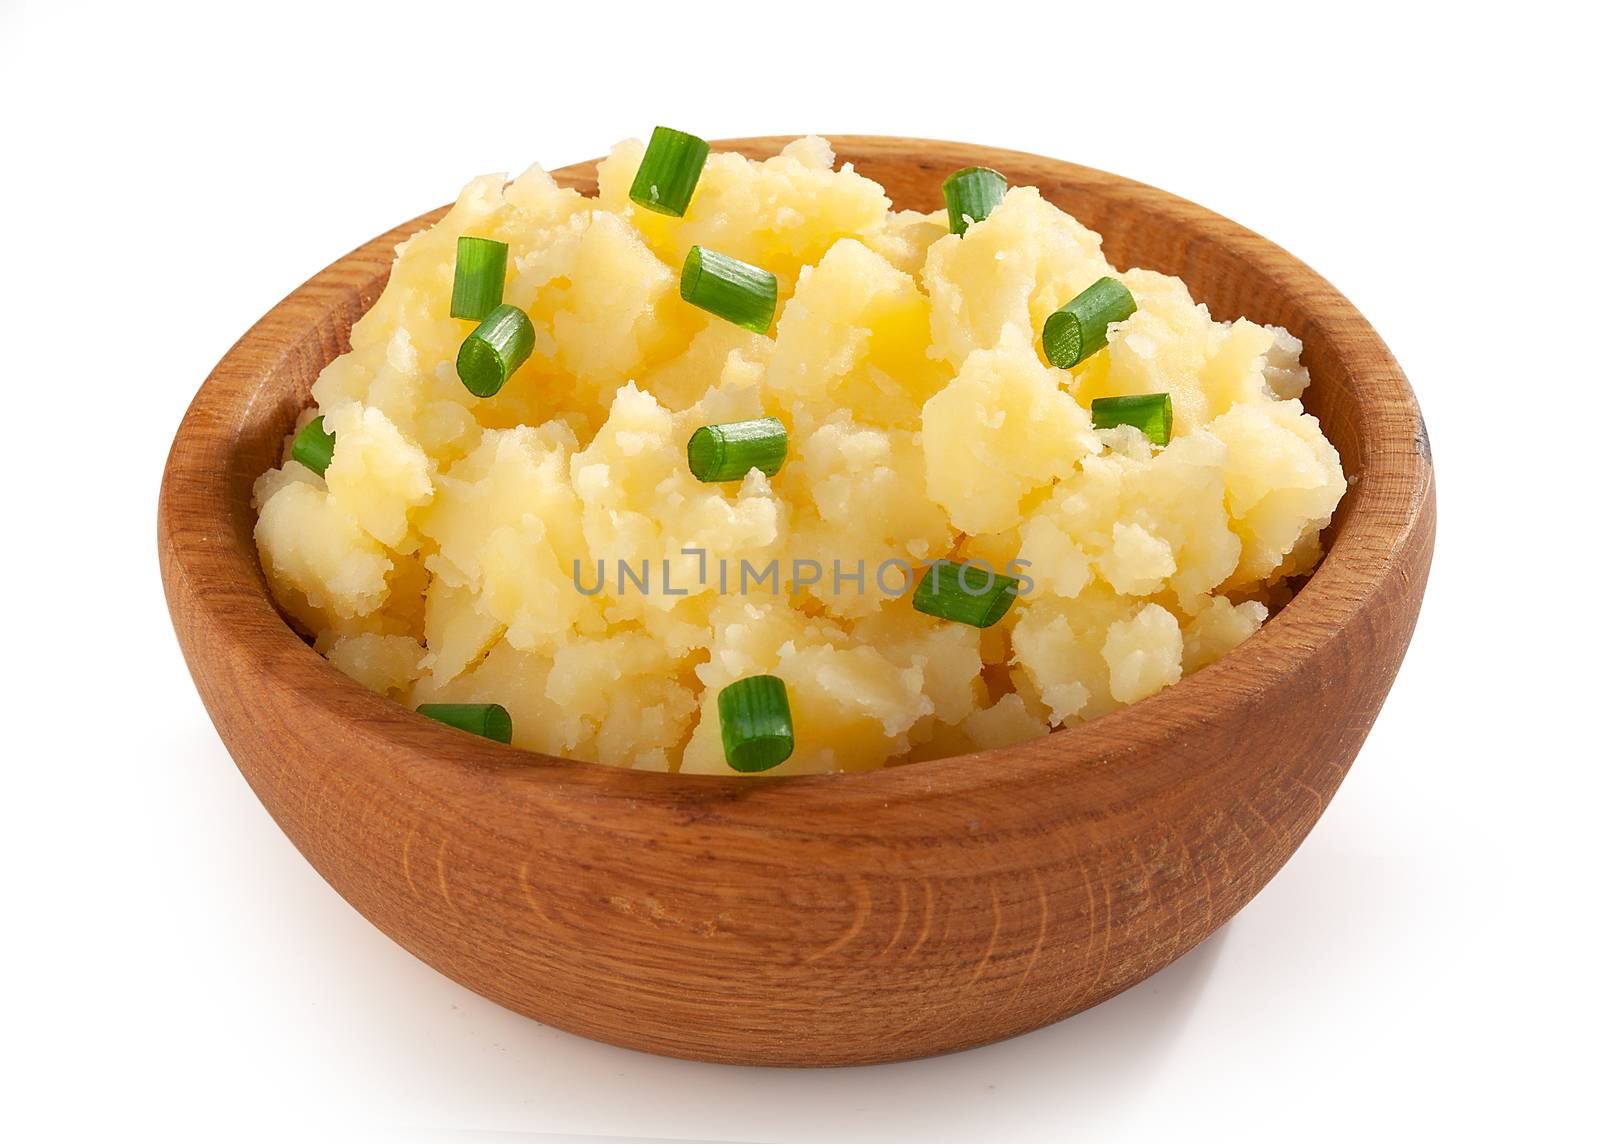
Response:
column 836, row 919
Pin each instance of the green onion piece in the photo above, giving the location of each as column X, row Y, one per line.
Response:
column 490, row 720
column 1078, row 329
column 480, row 277
column 669, row 171
column 970, row 194
column 313, row 447
column 757, row 732
column 493, row 351
column 727, row 452
column 743, row 294
column 1150, row 413
column 971, row 594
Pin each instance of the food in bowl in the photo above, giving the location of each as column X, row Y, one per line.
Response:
column 733, row 468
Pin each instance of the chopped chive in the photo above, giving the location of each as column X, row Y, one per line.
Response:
column 313, row 447
column 493, row 351
column 728, row 451
column 1078, row 329
column 669, row 171
column 970, row 194
column 757, row 732
column 972, row 594
column 743, row 294
column 490, row 720
column 1150, row 413
column 480, row 277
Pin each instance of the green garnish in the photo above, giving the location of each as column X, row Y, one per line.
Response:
column 968, row 594
column 490, row 720
column 1150, row 413
column 970, row 194
column 480, row 277
column 493, row 351
column 669, row 171
column 743, row 294
column 1078, row 329
column 728, row 451
column 313, row 447
column 757, row 732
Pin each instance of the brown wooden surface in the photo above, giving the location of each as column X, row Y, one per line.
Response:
column 833, row 919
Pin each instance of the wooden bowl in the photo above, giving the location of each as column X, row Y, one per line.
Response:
column 835, row 919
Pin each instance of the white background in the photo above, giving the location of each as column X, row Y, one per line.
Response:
column 1422, row 969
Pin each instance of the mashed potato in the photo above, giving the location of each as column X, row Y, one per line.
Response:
column 548, row 548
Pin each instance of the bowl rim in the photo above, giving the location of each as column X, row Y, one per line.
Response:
column 1385, row 502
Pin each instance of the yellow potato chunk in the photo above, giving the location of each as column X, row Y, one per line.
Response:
column 385, row 664
column 516, row 680
column 854, row 334
column 310, row 545
column 1163, row 348
column 1008, row 721
column 1282, row 480
column 505, row 523
column 1218, row 628
column 726, row 358
column 855, row 706
column 1144, row 653
column 403, row 350
column 1008, row 272
column 781, row 214
column 905, row 237
column 376, row 475
column 946, row 654
column 617, row 308
column 865, row 507
column 1001, row 429
column 456, row 630
column 626, row 687
column 1081, row 657
column 1142, row 522
column 642, row 507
